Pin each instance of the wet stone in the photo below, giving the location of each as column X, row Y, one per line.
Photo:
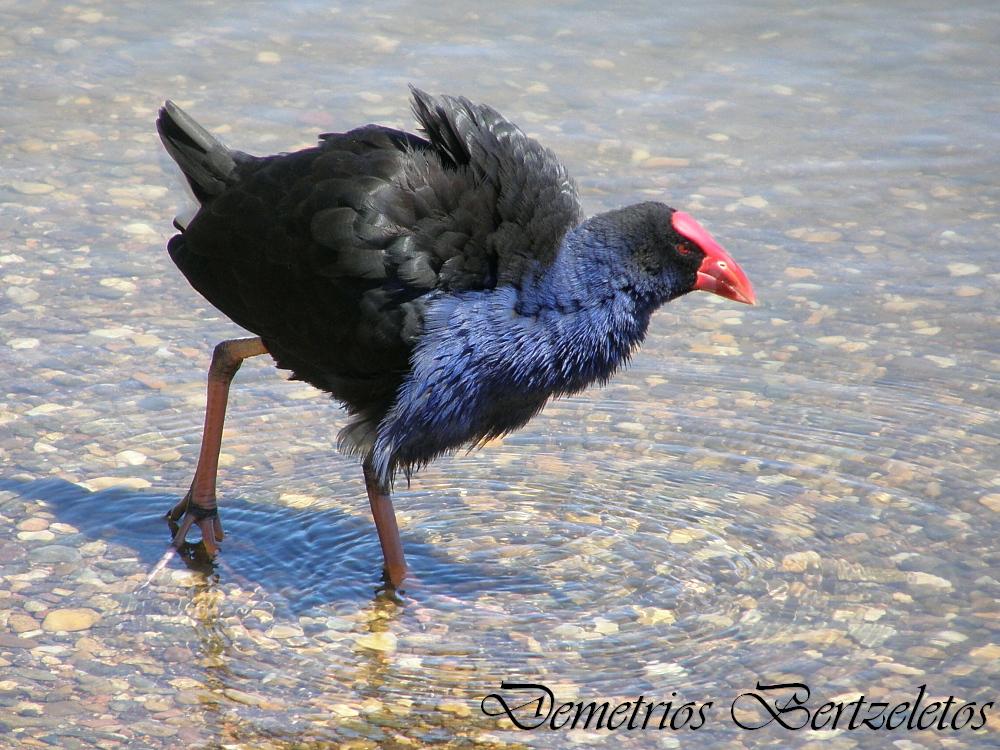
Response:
column 71, row 620
column 154, row 729
column 8, row 640
column 963, row 269
column 33, row 524
column 991, row 501
column 105, row 293
column 940, row 532
column 870, row 635
column 64, row 708
column 122, row 707
column 248, row 699
column 989, row 654
column 928, row 580
column 95, row 680
column 39, row 675
column 189, row 697
column 21, row 623
column 284, row 631
column 156, row 705
column 36, row 536
column 383, row 641
column 921, row 562
column 54, row 553
column 799, row 562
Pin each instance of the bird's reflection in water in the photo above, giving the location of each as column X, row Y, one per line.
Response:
column 219, row 651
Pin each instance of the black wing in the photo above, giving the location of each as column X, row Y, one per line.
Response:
column 331, row 253
column 532, row 200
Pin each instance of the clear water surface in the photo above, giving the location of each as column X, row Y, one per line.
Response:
column 804, row 491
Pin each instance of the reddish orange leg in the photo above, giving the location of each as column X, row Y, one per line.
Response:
column 385, row 524
column 199, row 505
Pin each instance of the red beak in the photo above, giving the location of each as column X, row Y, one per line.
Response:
column 718, row 272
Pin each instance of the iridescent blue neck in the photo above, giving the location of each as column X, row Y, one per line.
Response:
column 586, row 310
column 489, row 359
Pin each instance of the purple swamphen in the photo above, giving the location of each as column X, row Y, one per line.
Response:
column 442, row 286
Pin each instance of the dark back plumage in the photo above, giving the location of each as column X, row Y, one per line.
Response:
column 333, row 254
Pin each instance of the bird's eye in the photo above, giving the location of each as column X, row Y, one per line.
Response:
column 683, row 248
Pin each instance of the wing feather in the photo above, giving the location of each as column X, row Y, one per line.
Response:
column 333, row 253
column 534, row 200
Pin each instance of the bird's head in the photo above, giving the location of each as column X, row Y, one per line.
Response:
column 716, row 271
column 677, row 254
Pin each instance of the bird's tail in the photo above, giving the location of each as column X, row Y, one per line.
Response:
column 206, row 163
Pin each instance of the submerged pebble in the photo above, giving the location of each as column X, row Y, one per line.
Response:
column 72, row 620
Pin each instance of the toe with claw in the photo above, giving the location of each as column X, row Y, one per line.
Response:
column 188, row 513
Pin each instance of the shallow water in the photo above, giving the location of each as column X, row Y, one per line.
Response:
column 804, row 491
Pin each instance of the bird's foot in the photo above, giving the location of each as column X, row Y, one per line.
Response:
column 187, row 513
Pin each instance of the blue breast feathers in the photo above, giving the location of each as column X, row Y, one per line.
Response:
column 488, row 361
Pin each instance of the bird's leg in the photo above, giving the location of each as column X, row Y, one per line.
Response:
column 385, row 523
column 198, row 506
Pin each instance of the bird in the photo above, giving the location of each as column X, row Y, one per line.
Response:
column 441, row 285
